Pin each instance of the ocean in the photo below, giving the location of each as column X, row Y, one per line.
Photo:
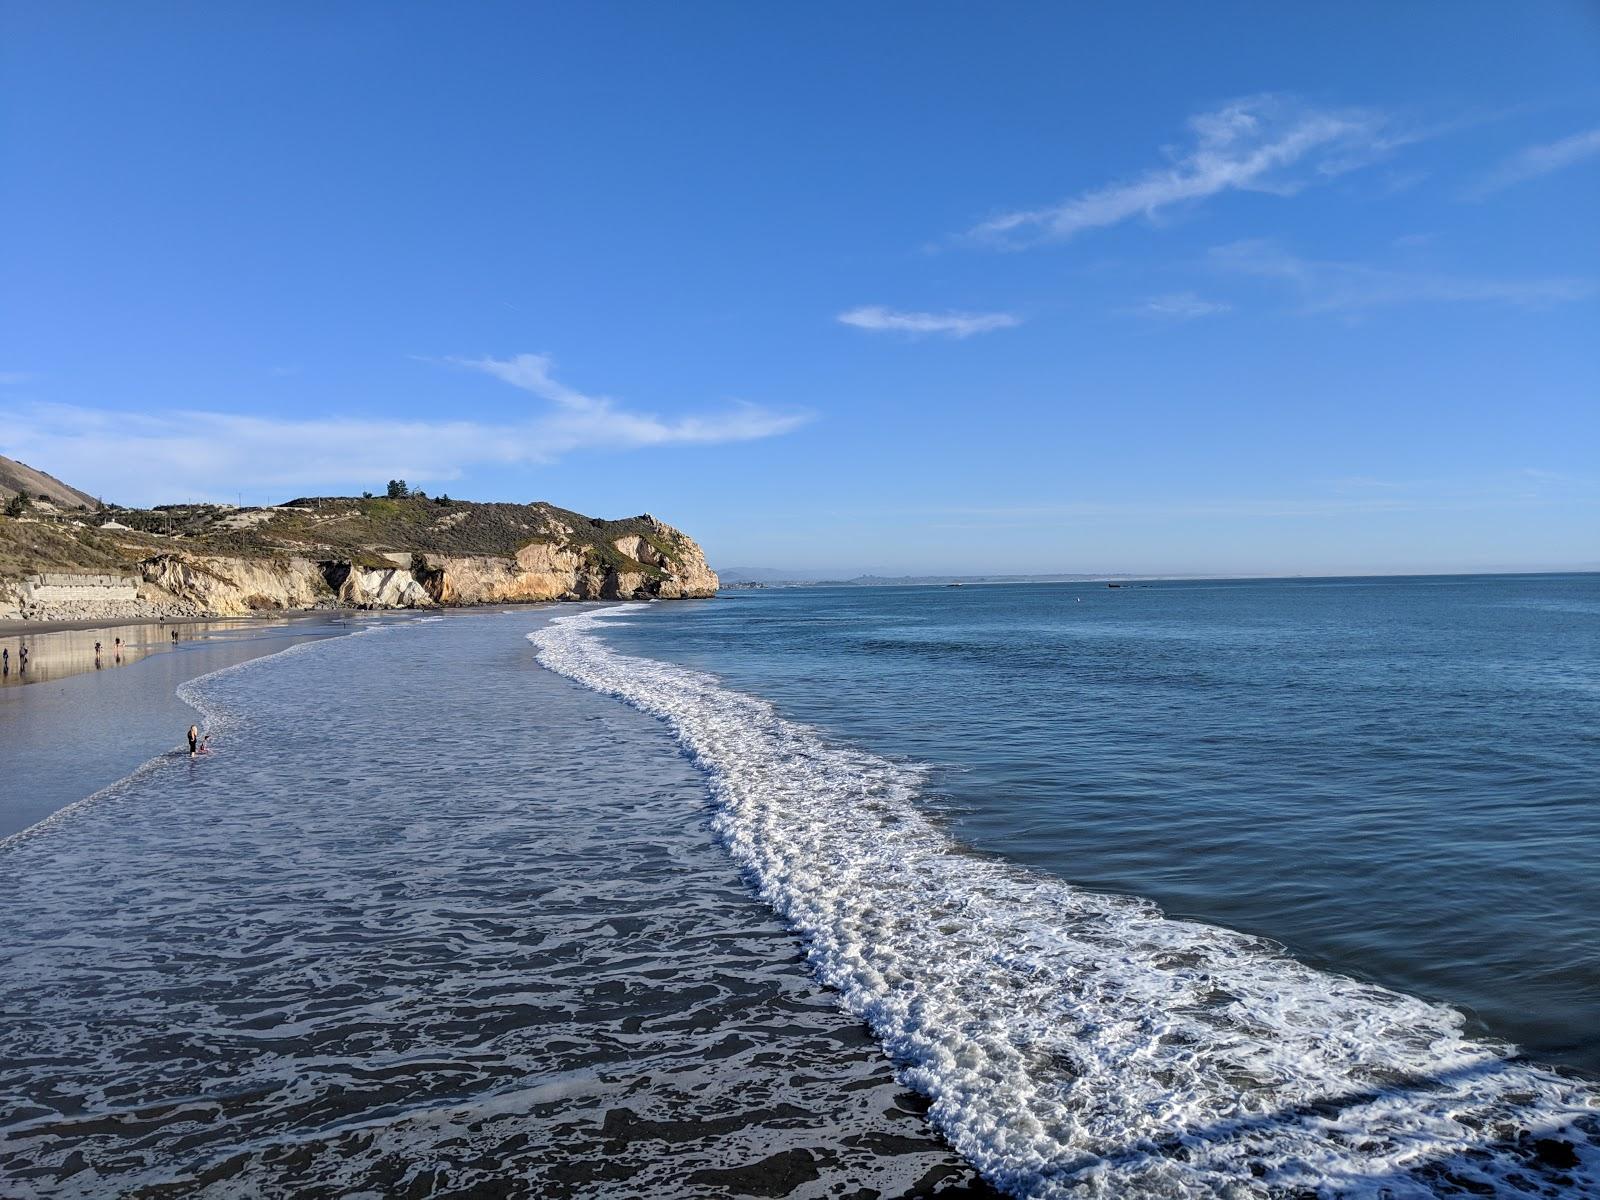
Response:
column 1184, row 889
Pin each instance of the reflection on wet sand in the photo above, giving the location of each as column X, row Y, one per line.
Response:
column 57, row 654
column 80, row 732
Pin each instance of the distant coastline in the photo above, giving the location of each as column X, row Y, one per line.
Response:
column 733, row 580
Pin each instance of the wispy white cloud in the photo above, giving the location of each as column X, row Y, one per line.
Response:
column 1181, row 306
column 13, row 378
column 949, row 324
column 1325, row 287
column 586, row 421
column 531, row 373
column 1266, row 143
column 1534, row 161
column 143, row 458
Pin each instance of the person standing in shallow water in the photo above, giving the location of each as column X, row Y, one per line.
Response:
column 194, row 740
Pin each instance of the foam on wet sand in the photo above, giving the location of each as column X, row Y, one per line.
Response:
column 430, row 918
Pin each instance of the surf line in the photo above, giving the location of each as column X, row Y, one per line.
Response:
column 1073, row 1043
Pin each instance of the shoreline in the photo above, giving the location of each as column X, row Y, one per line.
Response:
column 71, row 727
column 60, row 649
column 71, row 731
column 68, row 650
column 39, row 628
column 13, row 628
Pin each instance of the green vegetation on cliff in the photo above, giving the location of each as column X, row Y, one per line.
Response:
column 366, row 531
column 30, row 546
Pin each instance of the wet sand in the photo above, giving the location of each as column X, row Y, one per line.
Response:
column 433, row 921
column 75, row 722
column 32, row 628
column 59, row 649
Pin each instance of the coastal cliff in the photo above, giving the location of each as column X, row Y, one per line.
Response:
column 333, row 552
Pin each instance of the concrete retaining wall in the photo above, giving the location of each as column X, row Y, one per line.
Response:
column 63, row 587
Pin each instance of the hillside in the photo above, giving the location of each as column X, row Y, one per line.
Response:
column 18, row 477
column 324, row 551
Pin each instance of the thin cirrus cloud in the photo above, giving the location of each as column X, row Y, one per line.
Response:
column 1535, row 161
column 877, row 319
column 1266, row 143
column 138, row 458
column 1181, row 306
column 1347, row 287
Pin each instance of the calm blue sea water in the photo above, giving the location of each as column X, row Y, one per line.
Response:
column 1399, row 779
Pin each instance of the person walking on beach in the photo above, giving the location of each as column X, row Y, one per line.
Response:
column 194, row 740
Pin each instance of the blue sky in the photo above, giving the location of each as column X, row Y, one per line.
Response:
column 900, row 288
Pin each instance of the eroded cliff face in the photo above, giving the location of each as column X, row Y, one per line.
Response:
column 231, row 587
column 539, row 571
column 662, row 564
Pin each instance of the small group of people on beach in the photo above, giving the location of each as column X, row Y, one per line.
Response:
column 198, row 743
column 99, row 650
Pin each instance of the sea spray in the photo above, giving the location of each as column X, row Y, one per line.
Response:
column 1075, row 1043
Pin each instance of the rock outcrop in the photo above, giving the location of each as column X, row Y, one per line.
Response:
column 688, row 576
column 539, row 571
column 231, row 587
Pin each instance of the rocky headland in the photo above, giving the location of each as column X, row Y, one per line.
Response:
column 61, row 561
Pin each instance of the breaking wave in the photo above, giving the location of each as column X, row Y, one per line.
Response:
column 1073, row 1043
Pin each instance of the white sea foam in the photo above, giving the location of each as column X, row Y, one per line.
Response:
column 1079, row 1044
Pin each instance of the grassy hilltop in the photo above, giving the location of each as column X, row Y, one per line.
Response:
column 358, row 529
